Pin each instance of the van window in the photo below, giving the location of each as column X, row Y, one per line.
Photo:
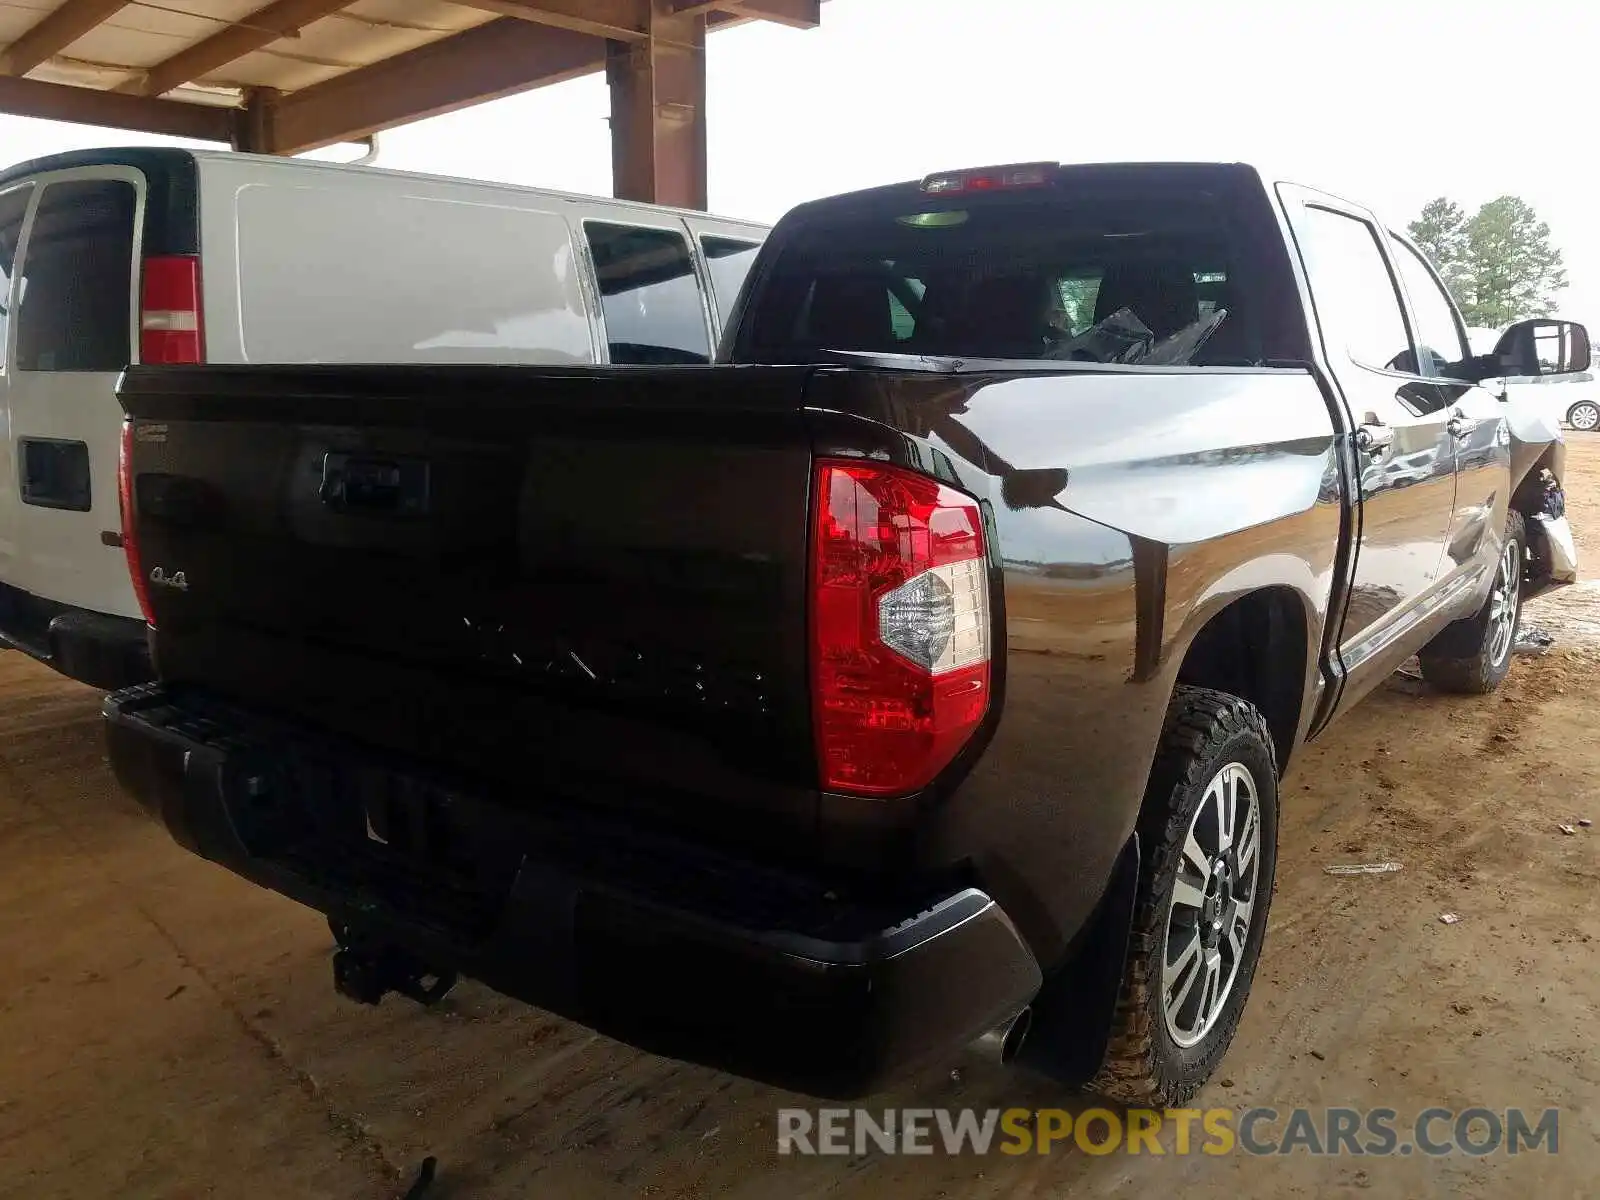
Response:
column 650, row 297
column 75, row 311
column 13, row 207
column 728, row 261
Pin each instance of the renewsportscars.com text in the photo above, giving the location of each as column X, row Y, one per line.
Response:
column 1215, row 1131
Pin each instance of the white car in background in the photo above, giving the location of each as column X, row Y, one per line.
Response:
column 1571, row 400
column 1583, row 412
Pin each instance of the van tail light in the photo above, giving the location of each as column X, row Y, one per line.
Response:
column 169, row 311
column 130, row 524
column 899, row 627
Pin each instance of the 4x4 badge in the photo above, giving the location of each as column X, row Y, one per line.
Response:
column 159, row 576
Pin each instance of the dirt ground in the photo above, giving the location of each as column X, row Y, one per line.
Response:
column 166, row 1030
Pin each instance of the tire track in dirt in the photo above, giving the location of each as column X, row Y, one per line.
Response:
column 50, row 735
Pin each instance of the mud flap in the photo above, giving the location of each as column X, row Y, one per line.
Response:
column 1074, row 1011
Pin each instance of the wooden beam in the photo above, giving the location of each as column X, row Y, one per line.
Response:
column 618, row 20
column 252, row 130
column 58, row 102
column 658, row 113
column 494, row 60
column 54, row 33
column 281, row 19
column 799, row 14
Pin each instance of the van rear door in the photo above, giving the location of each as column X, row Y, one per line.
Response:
column 72, row 333
column 15, row 202
column 729, row 252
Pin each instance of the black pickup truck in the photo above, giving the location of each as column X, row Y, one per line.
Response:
column 921, row 673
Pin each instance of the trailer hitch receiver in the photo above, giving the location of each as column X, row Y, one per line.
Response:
column 367, row 974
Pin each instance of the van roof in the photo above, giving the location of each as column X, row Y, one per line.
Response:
column 139, row 156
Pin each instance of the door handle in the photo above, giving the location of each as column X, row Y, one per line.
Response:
column 1373, row 436
column 1460, row 425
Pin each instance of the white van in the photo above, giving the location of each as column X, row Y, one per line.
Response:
column 109, row 257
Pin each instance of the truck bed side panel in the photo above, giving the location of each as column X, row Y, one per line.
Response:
column 1131, row 508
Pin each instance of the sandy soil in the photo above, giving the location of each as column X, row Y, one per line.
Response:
column 166, row 1030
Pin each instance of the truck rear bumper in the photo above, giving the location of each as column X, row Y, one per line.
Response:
column 661, row 944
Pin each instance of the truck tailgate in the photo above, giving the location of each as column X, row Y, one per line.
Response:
column 564, row 585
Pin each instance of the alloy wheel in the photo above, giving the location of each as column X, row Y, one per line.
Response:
column 1503, row 602
column 1213, row 900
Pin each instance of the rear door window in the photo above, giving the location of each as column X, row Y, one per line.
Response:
column 13, row 208
column 75, row 311
column 728, row 261
column 650, row 297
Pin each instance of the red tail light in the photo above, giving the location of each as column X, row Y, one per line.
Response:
column 899, row 627
column 169, row 311
column 130, row 538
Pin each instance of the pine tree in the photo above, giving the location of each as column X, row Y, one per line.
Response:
column 1516, row 272
column 1500, row 264
column 1441, row 232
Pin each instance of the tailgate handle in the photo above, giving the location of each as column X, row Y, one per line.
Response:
column 393, row 486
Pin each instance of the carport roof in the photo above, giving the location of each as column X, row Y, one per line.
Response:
column 325, row 70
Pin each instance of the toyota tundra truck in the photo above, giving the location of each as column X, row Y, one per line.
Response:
column 919, row 674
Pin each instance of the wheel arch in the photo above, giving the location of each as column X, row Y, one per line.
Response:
column 1257, row 647
column 1528, row 493
column 1256, row 643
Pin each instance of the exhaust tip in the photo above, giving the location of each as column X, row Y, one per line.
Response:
column 1003, row 1043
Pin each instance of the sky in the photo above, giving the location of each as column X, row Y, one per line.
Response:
column 1389, row 104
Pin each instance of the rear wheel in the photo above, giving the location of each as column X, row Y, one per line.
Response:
column 1584, row 415
column 1209, row 837
column 1473, row 655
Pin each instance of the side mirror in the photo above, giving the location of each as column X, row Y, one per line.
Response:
column 1543, row 347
